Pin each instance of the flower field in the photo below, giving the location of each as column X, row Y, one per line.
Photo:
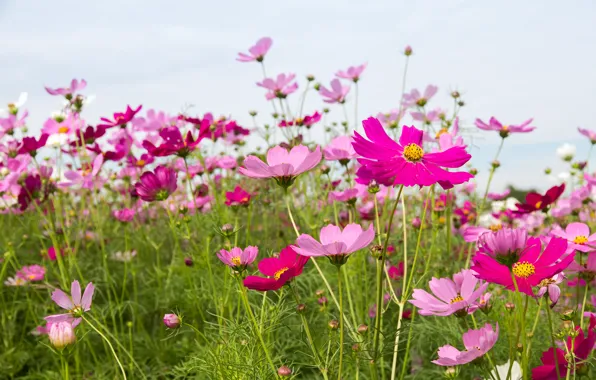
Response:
column 155, row 245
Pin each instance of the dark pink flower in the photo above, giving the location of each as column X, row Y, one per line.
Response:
column 120, row 118
column 256, row 52
column 75, row 86
column 173, row 143
column 238, row 197
column 124, row 215
column 279, row 270
column 157, row 185
column 30, row 145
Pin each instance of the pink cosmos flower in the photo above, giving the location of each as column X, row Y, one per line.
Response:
column 282, row 165
column 337, row 93
column 124, row 215
column 280, row 87
column 348, row 195
column 505, row 245
column 157, row 185
column 335, row 244
column 589, row 134
column 237, row 258
column 551, row 286
column 120, row 118
column 87, row 178
column 12, row 122
column 75, row 304
column 504, row 130
column 477, row 343
column 256, row 52
column 154, row 121
column 414, row 98
column 64, row 126
column 428, row 117
column 352, row 73
column 529, row 270
column 32, row 273
column 279, row 270
column 61, row 334
column 174, row 143
column 405, row 163
column 30, row 145
column 391, row 119
column 75, row 86
column 452, row 296
column 499, row 196
column 172, row 321
column 340, row 149
column 586, row 271
column 396, row 272
column 578, row 236
column 238, row 197
column 141, row 162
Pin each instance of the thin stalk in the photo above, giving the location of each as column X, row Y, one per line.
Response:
column 552, row 341
column 341, row 322
column 109, row 345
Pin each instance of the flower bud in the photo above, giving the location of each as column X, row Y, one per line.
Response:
column 408, row 51
column 310, row 78
column 333, row 324
column 355, row 347
column 416, row 222
column 172, row 321
column 317, row 86
column 362, row 329
column 455, row 94
column 188, row 261
column 451, row 373
column 568, row 315
column 510, row 306
column 253, row 113
column 473, row 171
column 301, row 308
column 284, row 371
column 376, row 251
column 373, row 187
column 323, row 301
column 62, row 334
column 495, row 164
column 547, row 171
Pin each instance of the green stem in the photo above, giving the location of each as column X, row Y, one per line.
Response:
column 581, row 316
column 341, row 322
column 552, row 341
column 109, row 345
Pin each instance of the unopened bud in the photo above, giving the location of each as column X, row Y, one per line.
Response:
column 376, row 251
column 61, row 334
column 301, row 308
column 547, row 171
column 408, row 51
column 317, row 86
column 568, row 315
column 333, row 324
column 188, row 261
column 455, row 94
column 284, row 371
column 172, row 321
column 495, row 164
column 310, row 78
column 510, row 306
column 253, row 113
column 473, row 171
column 362, row 329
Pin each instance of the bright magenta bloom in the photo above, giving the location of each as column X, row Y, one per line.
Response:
column 405, row 163
column 477, row 343
column 237, row 258
column 280, row 270
column 174, row 143
column 504, row 130
column 32, row 273
column 589, row 134
column 75, row 86
column 336, row 244
column 238, row 197
column 337, row 93
column 282, row 165
column 452, row 296
column 280, row 87
column 414, row 98
column 340, row 149
column 529, row 270
column 352, row 73
column 31, row 145
column 75, row 304
column 578, row 236
column 124, row 215
column 158, row 185
column 120, row 118
column 256, row 52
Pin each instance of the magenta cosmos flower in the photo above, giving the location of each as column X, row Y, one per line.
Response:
column 120, row 118
column 578, row 236
column 504, row 130
column 256, row 52
column 75, row 304
column 124, row 215
column 589, row 134
column 353, row 73
column 335, row 244
column 340, row 149
column 337, row 93
column 32, row 273
column 237, row 258
column 280, row 87
column 75, row 86
column 405, row 162
column 531, row 268
column 238, row 197
column 283, row 166
column 174, row 143
column 414, row 98
column 279, row 270
column 452, row 296
column 477, row 343
column 30, row 145
column 158, row 185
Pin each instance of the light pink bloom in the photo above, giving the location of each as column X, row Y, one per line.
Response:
column 256, row 52
column 498, row 196
column 504, row 130
column 337, row 93
column 589, row 134
column 414, row 98
column 452, row 296
column 391, row 119
column 477, row 343
column 551, row 286
column 75, row 86
column 428, row 117
column 237, row 258
column 172, row 321
column 66, row 126
column 61, row 334
column 352, row 73
column 340, row 148
column 344, row 196
column 335, row 243
column 282, row 165
column 124, row 215
column 87, row 179
column 75, row 304
column 279, row 87
column 32, row 273
column 578, row 236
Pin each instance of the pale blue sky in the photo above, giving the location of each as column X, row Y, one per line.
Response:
column 510, row 59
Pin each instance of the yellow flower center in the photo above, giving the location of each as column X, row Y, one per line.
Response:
column 299, row 121
column 539, row 204
column 236, row 261
column 413, row 152
column 63, row 129
column 278, row 274
column 141, row 163
column 523, row 269
column 546, row 282
column 31, row 276
column 245, row 199
column 441, row 132
column 581, row 239
column 505, row 128
column 457, row 298
column 496, row 227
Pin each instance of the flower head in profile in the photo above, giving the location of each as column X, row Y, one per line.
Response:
column 256, row 52
column 505, row 245
column 30, row 145
column 120, row 118
column 504, row 130
column 32, row 273
column 414, row 98
column 61, row 334
column 157, row 185
column 237, row 258
column 238, row 197
column 174, row 143
column 279, row 270
column 477, row 343
column 538, row 202
column 340, row 149
column 531, row 268
column 124, row 215
column 74, row 303
column 334, row 243
column 75, row 86
column 578, row 236
column 566, row 152
column 336, row 94
column 589, row 134
column 498, row 196
column 353, row 73
column 550, row 287
column 279, row 87
column 450, row 296
column 282, row 165
column 405, row 162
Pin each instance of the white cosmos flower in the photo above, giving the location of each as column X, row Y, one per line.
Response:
column 566, row 151
column 503, row 370
column 18, row 104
